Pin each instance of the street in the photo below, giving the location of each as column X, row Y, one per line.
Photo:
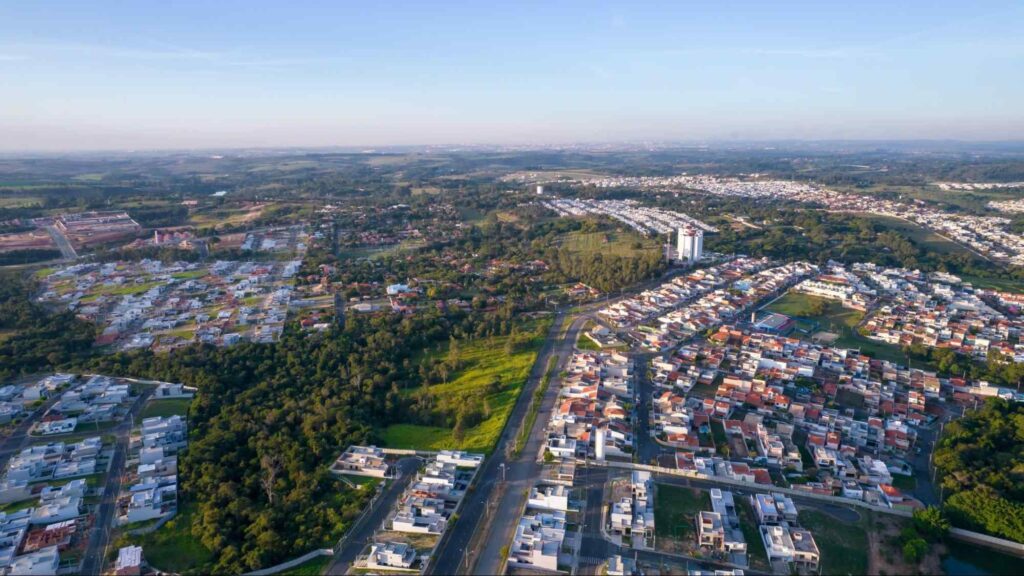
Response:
column 361, row 533
column 99, row 534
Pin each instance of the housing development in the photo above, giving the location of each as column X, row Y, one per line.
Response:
column 477, row 363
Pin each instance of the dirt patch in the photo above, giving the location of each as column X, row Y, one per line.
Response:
column 885, row 556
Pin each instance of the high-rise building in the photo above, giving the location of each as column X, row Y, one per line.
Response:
column 691, row 245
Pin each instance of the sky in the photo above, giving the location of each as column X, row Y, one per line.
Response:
column 136, row 75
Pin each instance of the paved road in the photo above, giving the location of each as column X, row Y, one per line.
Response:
column 596, row 549
column 448, row 558
column 18, row 438
column 525, row 470
column 99, row 537
column 362, row 532
column 62, row 243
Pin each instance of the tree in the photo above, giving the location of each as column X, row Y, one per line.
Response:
column 459, row 432
column 931, row 523
column 914, row 550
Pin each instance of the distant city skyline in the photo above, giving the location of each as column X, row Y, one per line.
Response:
column 141, row 76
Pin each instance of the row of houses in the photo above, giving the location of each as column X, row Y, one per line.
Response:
column 644, row 220
column 720, row 306
column 677, row 292
column 151, row 304
column 591, row 418
column 425, row 508
column 152, row 487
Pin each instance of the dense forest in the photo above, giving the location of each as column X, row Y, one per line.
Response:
column 35, row 339
column 980, row 458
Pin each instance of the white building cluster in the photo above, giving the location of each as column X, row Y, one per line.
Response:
column 645, row 220
column 941, row 311
column 677, row 292
column 1015, row 206
column 720, row 306
column 428, row 504
column 152, row 491
column 987, row 235
column 632, row 509
column 719, row 529
column 150, row 304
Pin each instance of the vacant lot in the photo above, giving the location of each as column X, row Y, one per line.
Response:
column 172, row 547
column 674, row 512
column 483, row 361
column 843, row 545
column 166, row 407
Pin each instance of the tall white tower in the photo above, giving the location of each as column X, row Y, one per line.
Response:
column 691, row 245
column 599, row 443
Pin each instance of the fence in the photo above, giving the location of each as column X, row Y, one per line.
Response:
column 292, row 563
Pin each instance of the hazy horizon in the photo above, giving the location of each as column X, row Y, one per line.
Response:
column 121, row 77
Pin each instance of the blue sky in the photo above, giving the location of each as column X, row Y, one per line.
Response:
column 103, row 74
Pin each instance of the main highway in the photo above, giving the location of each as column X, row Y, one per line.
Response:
column 505, row 477
column 474, row 544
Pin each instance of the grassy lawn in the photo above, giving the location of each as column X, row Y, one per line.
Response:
column 995, row 283
column 20, row 505
column 483, row 361
column 843, row 546
column 801, row 306
column 675, row 508
column 166, row 407
column 923, row 237
column 608, row 243
column 172, row 547
column 313, row 567
column 834, row 318
column 189, row 274
column 584, row 343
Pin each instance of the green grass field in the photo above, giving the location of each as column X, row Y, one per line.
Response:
column 675, row 508
column 834, row 319
column 608, row 243
column 995, row 283
column 172, row 547
column 483, row 361
column 166, row 407
column 843, row 546
column 756, row 555
column 923, row 237
column 801, row 307
column 313, row 567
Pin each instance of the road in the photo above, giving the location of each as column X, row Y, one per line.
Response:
column 519, row 472
column 362, row 532
column 103, row 518
column 16, row 440
column 596, row 548
column 62, row 243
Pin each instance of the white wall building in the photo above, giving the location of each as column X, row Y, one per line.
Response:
column 690, row 245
